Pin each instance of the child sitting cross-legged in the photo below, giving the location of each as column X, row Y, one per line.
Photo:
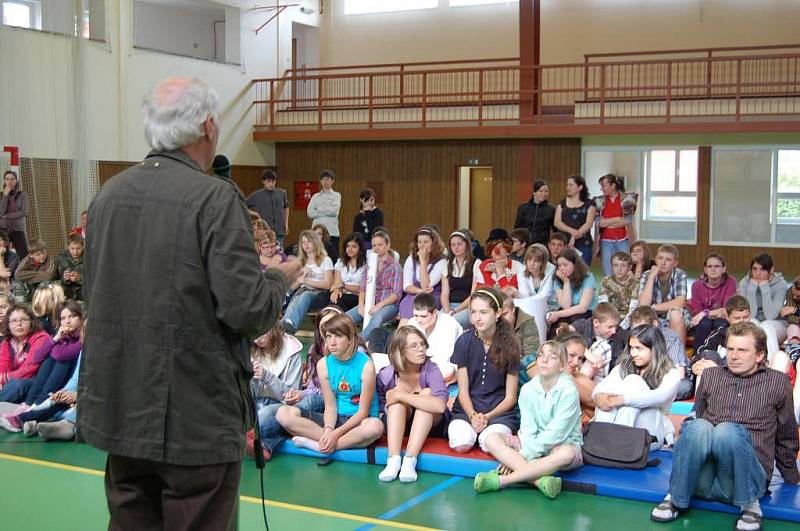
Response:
column 347, row 379
column 411, row 391
column 549, row 437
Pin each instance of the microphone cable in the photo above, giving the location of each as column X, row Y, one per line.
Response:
column 259, row 455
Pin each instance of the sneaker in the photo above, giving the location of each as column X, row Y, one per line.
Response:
column 250, row 449
column 10, row 423
column 665, row 511
column 62, row 430
column 30, row 428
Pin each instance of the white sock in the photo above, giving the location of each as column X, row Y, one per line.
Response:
column 408, row 471
column 392, row 468
column 305, row 442
column 753, row 507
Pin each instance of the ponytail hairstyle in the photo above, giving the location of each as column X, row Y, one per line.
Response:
column 660, row 363
column 317, row 350
column 505, row 351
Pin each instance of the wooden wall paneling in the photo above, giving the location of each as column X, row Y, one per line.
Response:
column 107, row 169
column 249, row 178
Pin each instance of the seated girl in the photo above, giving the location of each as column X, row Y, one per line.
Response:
column 575, row 290
column 46, row 301
column 576, row 356
column 488, row 358
column 6, row 303
column 388, row 286
column 498, row 270
column 347, row 379
column 315, row 278
column 260, row 228
column 268, row 253
column 22, row 337
column 640, row 257
column 56, row 357
column 410, row 391
column 347, row 273
column 423, row 270
column 549, row 436
column 457, row 282
column 640, row 389
column 277, row 371
column 535, row 285
column 765, row 290
column 55, row 418
column 709, row 295
column 325, row 237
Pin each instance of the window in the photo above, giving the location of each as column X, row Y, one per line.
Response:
column 360, row 7
column 755, row 196
column 671, row 186
column 788, row 201
column 19, row 14
column 456, row 3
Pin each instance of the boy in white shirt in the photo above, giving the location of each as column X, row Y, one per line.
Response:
column 441, row 330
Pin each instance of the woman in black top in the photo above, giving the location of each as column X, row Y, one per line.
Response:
column 575, row 216
column 457, row 283
column 369, row 217
column 537, row 215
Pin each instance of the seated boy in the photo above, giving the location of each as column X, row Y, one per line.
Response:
column 605, row 339
column 69, row 267
column 664, row 288
column 556, row 245
column 526, row 332
column 441, row 330
column 35, row 268
column 519, row 244
column 743, row 426
column 620, row 288
column 645, row 315
column 712, row 352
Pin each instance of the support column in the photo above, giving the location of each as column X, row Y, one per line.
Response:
column 529, row 57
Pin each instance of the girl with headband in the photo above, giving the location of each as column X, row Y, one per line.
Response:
column 488, row 358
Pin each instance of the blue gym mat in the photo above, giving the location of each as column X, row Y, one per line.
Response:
column 650, row 484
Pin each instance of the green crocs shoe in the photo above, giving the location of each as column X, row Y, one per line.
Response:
column 487, row 482
column 549, row 485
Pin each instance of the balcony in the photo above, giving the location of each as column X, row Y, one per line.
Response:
column 710, row 90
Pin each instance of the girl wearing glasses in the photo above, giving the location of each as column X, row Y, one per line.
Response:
column 22, row 337
column 410, row 391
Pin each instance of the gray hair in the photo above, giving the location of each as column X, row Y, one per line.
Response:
column 175, row 110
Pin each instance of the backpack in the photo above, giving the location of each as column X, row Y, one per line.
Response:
column 617, row 446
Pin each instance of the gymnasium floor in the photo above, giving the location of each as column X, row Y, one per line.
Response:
column 59, row 486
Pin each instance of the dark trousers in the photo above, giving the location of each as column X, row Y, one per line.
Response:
column 147, row 495
column 52, row 376
column 20, row 242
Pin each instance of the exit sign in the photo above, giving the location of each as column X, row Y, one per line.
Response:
column 473, row 162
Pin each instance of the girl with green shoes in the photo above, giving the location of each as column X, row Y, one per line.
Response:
column 549, row 437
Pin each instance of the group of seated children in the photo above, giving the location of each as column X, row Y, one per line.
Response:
column 617, row 352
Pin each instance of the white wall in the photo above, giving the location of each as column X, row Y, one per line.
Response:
column 570, row 28
column 68, row 97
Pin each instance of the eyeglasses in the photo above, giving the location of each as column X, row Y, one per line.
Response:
column 417, row 346
column 19, row 320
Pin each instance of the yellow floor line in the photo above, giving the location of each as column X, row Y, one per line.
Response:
column 248, row 499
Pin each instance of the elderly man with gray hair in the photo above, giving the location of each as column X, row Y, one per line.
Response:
column 174, row 292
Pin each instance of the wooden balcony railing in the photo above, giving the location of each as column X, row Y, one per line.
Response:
column 715, row 87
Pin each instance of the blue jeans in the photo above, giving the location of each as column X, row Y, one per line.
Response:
column 607, row 250
column 586, row 253
column 298, row 307
column 716, row 463
column 384, row 315
column 461, row 317
column 272, row 433
column 16, row 390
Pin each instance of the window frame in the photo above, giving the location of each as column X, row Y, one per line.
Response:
column 774, row 196
column 482, row 3
column 35, row 8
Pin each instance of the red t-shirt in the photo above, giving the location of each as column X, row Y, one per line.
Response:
column 613, row 209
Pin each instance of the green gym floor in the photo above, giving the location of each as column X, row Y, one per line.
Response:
column 59, row 486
